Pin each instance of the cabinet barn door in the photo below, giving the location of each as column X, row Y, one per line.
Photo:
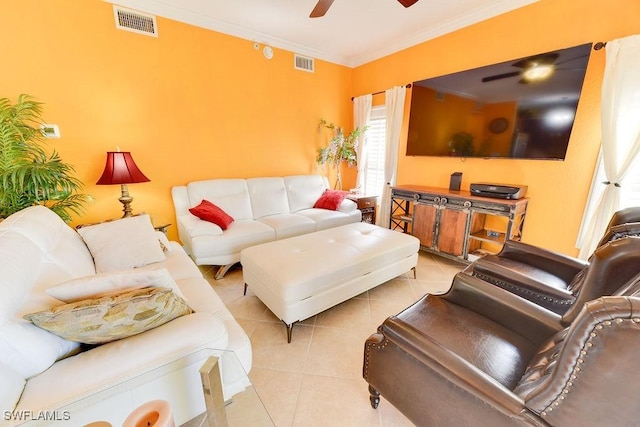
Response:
column 451, row 234
column 424, row 222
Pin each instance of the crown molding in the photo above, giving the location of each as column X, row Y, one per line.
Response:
column 470, row 18
column 186, row 16
column 160, row 8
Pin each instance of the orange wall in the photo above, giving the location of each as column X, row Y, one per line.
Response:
column 557, row 189
column 190, row 104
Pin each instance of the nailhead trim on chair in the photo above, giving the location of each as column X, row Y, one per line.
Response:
column 369, row 346
column 507, row 285
column 577, row 368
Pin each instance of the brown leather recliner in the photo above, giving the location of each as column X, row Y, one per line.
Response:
column 480, row 356
column 556, row 281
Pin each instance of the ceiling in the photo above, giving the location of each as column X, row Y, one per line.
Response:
column 352, row 33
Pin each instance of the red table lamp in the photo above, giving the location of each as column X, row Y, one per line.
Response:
column 121, row 169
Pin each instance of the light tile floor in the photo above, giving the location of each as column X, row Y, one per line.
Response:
column 316, row 380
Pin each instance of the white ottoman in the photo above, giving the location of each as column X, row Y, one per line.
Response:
column 304, row 275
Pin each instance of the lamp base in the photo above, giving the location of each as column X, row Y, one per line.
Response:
column 126, row 200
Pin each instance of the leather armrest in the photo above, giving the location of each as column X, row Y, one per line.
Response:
column 561, row 265
column 509, row 310
column 458, row 371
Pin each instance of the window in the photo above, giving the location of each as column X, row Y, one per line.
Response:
column 374, row 168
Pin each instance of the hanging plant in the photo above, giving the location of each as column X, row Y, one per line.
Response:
column 29, row 174
column 341, row 148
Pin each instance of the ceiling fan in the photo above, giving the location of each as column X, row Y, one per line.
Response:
column 534, row 68
column 323, row 5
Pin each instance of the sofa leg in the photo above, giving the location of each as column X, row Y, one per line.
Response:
column 223, row 270
column 374, row 397
column 245, row 289
column 414, row 272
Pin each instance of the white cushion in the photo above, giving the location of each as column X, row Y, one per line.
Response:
column 195, row 226
column 53, row 237
column 230, row 195
column 347, row 206
column 29, row 350
column 268, row 196
column 289, row 225
column 11, row 387
column 18, row 256
column 103, row 284
column 304, row 190
column 239, row 235
column 122, row 244
column 325, row 218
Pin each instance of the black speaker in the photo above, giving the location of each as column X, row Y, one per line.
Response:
column 456, row 180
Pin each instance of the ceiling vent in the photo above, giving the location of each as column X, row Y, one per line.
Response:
column 303, row 63
column 138, row 22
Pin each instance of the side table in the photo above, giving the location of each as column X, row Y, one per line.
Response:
column 162, row 227
column 367, row 205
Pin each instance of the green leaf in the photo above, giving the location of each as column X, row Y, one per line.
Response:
column 30, row 174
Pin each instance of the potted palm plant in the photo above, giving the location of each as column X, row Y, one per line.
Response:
column 29, row 173
column 341, row 148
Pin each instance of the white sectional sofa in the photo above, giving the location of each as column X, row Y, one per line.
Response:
column 40, row 372
column 263, row 209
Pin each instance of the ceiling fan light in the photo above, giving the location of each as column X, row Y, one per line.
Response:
column 538, row 72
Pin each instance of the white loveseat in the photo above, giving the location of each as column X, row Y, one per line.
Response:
column 263, row 209
column 41, row 372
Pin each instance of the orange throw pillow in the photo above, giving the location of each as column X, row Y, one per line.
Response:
column 209, row 212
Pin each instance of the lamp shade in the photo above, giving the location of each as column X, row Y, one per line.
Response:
column 121, row 169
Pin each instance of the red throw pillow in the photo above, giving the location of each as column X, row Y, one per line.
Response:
column 330, row 199
column 210, row 212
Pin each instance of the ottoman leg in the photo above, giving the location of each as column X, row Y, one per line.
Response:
column 245, row 289
column 289, row 329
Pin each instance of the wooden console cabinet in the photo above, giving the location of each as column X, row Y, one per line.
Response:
column 456, row 224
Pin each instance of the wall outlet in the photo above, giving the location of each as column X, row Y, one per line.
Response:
column 50, row 131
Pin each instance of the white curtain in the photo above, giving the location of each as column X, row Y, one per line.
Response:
column 620, row 139
column 361, row 116
column 394, row 103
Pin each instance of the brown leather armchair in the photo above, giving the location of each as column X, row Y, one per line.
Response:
column 556, row 281
column 480, row 356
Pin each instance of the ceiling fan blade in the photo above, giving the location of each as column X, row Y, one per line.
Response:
column 321, row 8
column 548, row 58
column 407, row 3
column 500, row 76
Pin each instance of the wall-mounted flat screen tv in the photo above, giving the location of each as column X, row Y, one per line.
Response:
column 521, row 109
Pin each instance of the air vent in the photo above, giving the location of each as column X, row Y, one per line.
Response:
column 138, row 22
column 303, row 63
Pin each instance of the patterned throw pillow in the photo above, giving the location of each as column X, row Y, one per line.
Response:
column 101, row 320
